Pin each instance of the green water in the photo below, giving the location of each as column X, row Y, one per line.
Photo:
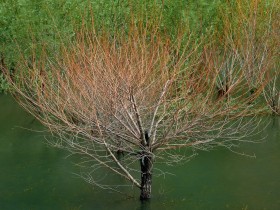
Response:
column 35, row 176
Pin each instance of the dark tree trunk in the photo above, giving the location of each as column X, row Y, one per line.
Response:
column 146, row 163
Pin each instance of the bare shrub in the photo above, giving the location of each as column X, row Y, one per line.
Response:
column 133, row 98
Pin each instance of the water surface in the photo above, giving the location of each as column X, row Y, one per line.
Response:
column 36, row 176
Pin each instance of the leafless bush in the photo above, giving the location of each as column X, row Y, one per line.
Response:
column 272, row 95
column 251, row 47
column 133, row 98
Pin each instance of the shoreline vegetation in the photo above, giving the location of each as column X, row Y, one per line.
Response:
column 130, row 82
column 238, row 32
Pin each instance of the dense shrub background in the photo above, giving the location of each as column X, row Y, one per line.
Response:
column 27, row 25
column 23, row 22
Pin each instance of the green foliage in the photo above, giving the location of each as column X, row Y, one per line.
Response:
column 29, row 26
column 27, row 21
column 24, row 23
column 4, row 86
